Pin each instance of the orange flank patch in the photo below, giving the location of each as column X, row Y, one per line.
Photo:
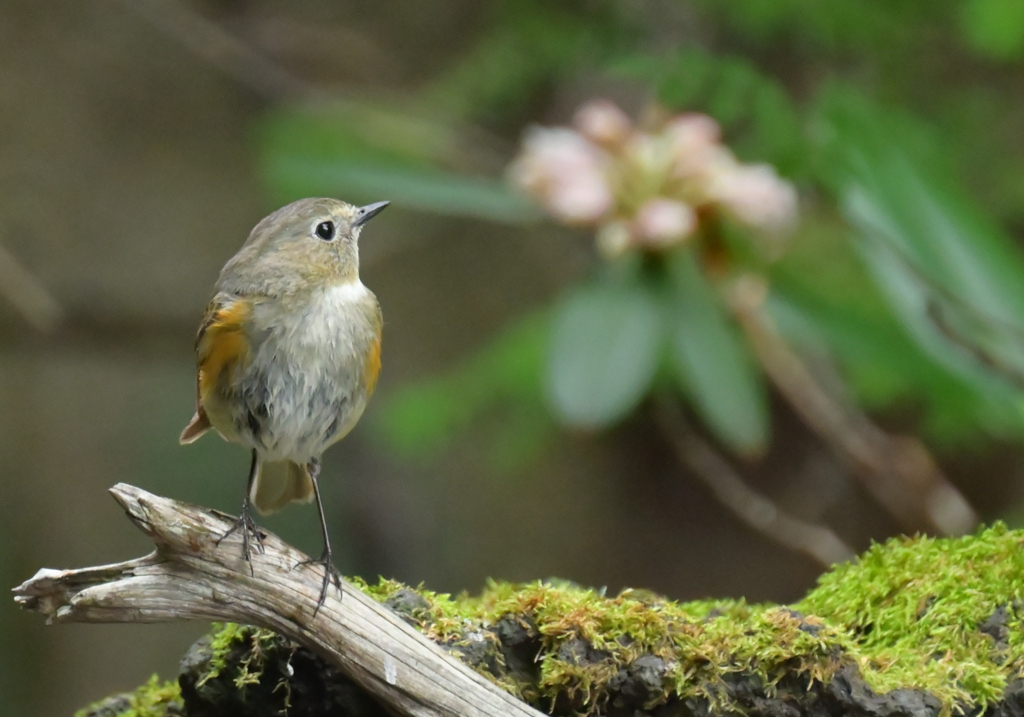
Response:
column 222, row 344
column 372, row 366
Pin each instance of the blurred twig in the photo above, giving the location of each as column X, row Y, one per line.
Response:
column 27, row 294
column 754, row 509
column 221, row 49
column 465, row 146
column 898, row 470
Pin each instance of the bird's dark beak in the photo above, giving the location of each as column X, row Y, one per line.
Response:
column 368, row 212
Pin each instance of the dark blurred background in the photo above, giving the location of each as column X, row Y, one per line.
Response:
column 140, row 141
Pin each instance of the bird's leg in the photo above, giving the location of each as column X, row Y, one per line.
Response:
column 245, row 521
column 326, row 558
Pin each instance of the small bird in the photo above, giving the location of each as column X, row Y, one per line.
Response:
column 288, row 355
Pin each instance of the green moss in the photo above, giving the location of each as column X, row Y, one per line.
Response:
column 914, row 609
column 150, row 700
column 909, row 613
column 938, row 615
column 224, row 638
column 700, row 642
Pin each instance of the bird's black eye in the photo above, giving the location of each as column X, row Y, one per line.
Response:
column 325, row 230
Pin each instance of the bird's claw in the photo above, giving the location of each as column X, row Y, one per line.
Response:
column 331, row 575
column 251, row 534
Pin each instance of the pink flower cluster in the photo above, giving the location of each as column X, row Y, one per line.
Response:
column 644, row 189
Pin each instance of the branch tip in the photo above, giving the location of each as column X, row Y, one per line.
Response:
column 191, row 577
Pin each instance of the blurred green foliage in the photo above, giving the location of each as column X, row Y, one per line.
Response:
column 761, row 119
column 527, row 47
column 605, row 343
column 881, row 110
column 498, row 388
column 951, row 277
column 365, row 152
column 995, row 27
column 712, row 362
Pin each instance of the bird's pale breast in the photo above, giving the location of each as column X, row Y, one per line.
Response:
column 311, row 368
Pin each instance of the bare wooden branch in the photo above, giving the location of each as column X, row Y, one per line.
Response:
column 754, row 509
column 189, row 577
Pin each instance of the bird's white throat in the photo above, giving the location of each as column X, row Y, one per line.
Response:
column 325, row 322
column 341, row 294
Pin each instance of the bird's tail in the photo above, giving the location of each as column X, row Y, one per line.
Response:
column 279, row 484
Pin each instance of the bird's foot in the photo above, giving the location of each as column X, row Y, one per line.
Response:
column 251, row 535
column 331, row 575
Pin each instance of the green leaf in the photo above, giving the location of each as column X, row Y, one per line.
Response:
column 954, row 280
column 424, row 189
column 995, row 27
column 883, row 365
column 365, row 153
column 606, row 340
column 713, row 363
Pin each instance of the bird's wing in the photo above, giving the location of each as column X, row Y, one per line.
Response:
column 371, row 367
column 220, row 344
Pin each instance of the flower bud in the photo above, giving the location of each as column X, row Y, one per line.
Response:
column 662, row 222
column 603, row 123
column 694, row 143
column 566, row 173
column 756, row 196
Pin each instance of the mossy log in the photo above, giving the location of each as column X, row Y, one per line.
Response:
column 914, row 628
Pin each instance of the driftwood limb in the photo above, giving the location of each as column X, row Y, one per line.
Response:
column 189, row 577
